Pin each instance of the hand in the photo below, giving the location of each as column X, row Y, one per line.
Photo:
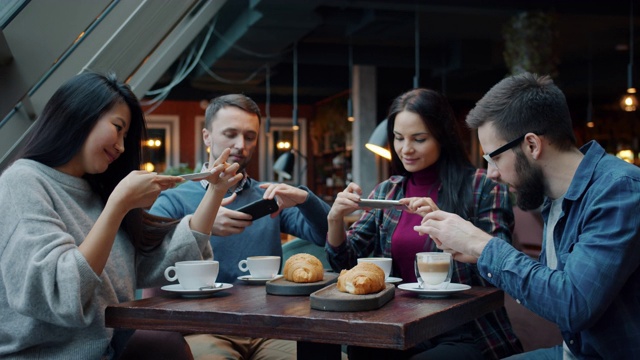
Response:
column 461, row 257
column 454, row 234
column 230, row 222
column 140, row 189
column 286, row 195
column 420, row 205
column 346, row 202
column 223, row 176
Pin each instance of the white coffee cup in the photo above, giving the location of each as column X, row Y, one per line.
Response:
column 261, row 267
column 435, row 269
column 383, row 262
column 194, row 274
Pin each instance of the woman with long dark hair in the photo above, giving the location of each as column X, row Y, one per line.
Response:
column 73, row 233
column 431, row 170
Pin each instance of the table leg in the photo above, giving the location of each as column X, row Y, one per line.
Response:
column 318, row 351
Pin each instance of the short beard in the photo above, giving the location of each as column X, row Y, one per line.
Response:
column 530, row 189
column 242, row 167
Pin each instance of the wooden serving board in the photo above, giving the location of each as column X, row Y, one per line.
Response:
column 332, row 299
column 282, row 286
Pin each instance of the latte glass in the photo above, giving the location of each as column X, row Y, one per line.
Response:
column 435, row 269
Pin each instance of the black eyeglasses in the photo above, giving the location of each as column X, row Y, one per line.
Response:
column 502, row 149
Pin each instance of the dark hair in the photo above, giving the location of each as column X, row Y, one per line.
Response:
column 65, row 123
column 240, row 101
column 526, row 103
column 453, row 165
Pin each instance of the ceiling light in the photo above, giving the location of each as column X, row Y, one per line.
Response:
column 295, row 126
column 284, row 165
column 626, row 155
column 629, row 102
column 378, row 141
column 350, row 99
column 267, row 105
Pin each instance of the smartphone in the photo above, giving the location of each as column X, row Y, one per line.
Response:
column 260, row 208
column 195, row 176
column 381, row 204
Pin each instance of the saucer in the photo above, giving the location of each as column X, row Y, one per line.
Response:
column 178, row 289
column 392, row 280
column 257, row 281
column 452, row 288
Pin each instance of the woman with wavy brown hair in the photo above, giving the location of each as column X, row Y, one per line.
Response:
column 431, row 170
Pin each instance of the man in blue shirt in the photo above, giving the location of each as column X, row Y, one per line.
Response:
column 233, row 121
column 587, row 279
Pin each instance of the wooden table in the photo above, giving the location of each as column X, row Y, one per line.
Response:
column 247, row 310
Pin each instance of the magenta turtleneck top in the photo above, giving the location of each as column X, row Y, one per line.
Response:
column 405, row 242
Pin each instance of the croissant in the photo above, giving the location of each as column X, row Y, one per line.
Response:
column 303, row 268
column 364, row 278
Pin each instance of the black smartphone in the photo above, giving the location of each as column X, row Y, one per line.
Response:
column 260, row 208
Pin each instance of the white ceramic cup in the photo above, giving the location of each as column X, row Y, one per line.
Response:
column 261, row 267
column 435, row 269
column 195, row 274
column 383, row 262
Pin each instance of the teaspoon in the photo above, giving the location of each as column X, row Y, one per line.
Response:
column 209, row 287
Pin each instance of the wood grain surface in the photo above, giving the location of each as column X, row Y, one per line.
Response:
column 246, row 310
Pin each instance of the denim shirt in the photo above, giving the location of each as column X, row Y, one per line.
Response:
column 594, row 294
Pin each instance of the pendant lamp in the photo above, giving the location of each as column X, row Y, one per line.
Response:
column 629, row 102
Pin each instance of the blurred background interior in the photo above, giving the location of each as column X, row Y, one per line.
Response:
column 323, row 72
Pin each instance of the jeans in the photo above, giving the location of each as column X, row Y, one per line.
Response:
column 552, row 353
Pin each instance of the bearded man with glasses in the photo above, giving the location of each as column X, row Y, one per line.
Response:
column 587, row 279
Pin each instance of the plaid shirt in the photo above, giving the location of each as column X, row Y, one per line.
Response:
column 490, row 211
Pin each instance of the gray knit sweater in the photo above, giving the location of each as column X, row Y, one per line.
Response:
column 51, row 302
